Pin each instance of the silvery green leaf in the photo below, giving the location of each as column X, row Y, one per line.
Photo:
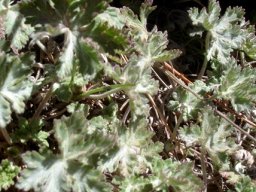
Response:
column 238, row 86
column 212, row 133
column 245, row 184
column 72, row 14
column 134, row 183
column 135, row 149
column 179, row 176
column 77, row 136
column 14, row 25
column 110, row 17
column 224, row 32
column 66, row 60
column 15, row 87
column 88, row 59
column 186, row 102
column 249, row 46
column 43, row 173
column 82, row 144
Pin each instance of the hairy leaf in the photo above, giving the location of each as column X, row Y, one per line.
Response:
column 245, row 184
column 238, row 86
column 14, row 25
column 44, row 172
column 135, row 150
column 66, row 60
column 164, row 174
column 51, row 173
column 179, row 176
column 186, row 102
column 78, row 141
column 85, row 10
column 15, row 87
column 138, row 72
column 75, row 168
column 35, row 12
column 134, row 183
column 110, row 38
column 224, row 32
column 109, row 16
column 138, row 103
column 249, row 46
column 213, row 134
column 87, row 178
column 72, row 14
column 155, row 47
column 89, row 62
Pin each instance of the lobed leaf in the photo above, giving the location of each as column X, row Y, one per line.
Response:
column 135, row 150
column 165, row 174
column 8, row 171
column 15, row 87
column 75, row 166
column 89, row 62
column 186, row 102
column 213, row 134
column 238, row 86
column 35, row 12
column 84, row 11
column 44, row 172
column 225, row 32
column 72, row 14
column 14, row 25
column 134, row 183
column 249, row 46
column 245, row 184
column 179, row 176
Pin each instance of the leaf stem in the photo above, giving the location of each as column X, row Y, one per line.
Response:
column 204, row 66
column 204, row 171
column 6, row 135
column 105, row 94
column 113, row 89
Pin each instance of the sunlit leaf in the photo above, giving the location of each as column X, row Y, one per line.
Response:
column 8, row 171
column 14, row 25
column 179, row 176
column 75, row 167
column 238, row 86
column 186, row 102
column 15, row 87
column 225, row 32
column 213, row 134
column 135, row 150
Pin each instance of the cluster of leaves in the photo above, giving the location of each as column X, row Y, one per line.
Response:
column 76, row 137
column 230, row 87
column 8, row 172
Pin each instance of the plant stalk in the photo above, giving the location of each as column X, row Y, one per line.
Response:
column 111, row 89
column 204, row 171
column 204, row 66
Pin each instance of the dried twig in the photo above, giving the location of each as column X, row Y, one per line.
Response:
column 42, row 104
column 174, row 74
column 235, row 125
column 162, row 118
